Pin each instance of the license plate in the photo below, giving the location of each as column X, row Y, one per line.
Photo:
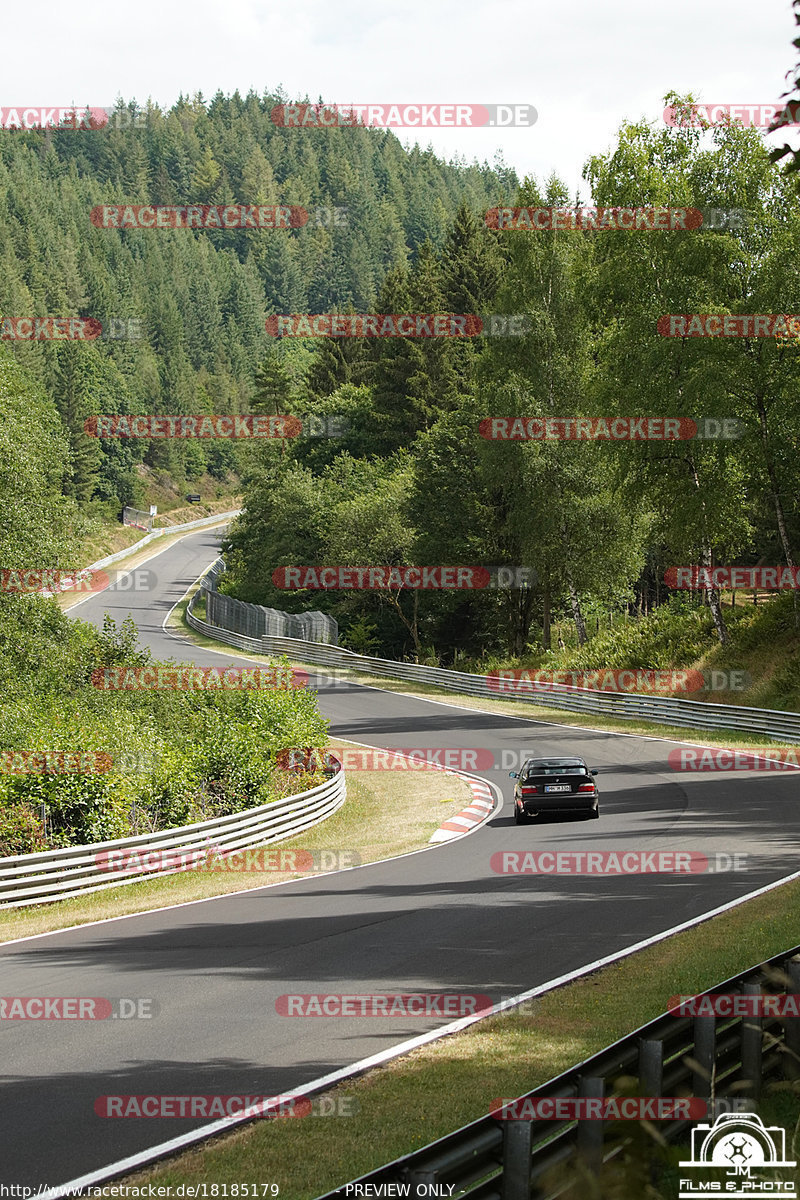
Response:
column 557, row 787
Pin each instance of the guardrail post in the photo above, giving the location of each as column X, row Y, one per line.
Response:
column 651, row 1078
column 705, row 1038
column 516, row 1179
column 427, row 1176
column 651, row 1066
column 590, row 1133
column 791, row 1027
column 752, row 1046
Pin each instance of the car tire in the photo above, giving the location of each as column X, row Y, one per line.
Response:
column 519, row 816
column 594, row 814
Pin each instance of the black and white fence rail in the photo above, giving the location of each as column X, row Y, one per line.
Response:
column 78, row 870
column 664, row 710
column 725, row 1061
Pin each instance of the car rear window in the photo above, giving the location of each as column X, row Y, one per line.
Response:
column 571, row 769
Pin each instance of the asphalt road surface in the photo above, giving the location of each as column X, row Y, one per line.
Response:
column 437, row 921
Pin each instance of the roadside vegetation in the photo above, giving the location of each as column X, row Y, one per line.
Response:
column 386, row 813
column 84, row 764
column 759, row 666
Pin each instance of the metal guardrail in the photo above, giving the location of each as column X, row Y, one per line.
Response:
column 664, row 710
column 158, row 533
column 711, row 1057
column 78, row 870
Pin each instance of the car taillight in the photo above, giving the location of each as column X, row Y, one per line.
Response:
column 586, row 787
column 529, row 791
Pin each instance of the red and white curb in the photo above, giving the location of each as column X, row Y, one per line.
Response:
column 470, row 816
column 464, row 822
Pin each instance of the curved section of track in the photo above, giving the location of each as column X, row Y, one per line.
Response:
column 437, row 920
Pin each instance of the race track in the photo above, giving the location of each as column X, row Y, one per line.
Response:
column 439, row 920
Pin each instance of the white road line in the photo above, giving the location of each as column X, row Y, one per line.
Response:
column 127, row 1165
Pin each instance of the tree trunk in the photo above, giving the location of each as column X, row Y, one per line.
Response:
column 712, row 599
column 522, row 605
column 773, row 483
column 711, row 593
column 411, row 625
column 577, row 611
column 414, row 624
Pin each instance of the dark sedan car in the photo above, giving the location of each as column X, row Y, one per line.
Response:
column 546, row 785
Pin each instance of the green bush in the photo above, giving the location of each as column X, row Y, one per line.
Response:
column 361, row 636
column 158, row 759
column 20, row 830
